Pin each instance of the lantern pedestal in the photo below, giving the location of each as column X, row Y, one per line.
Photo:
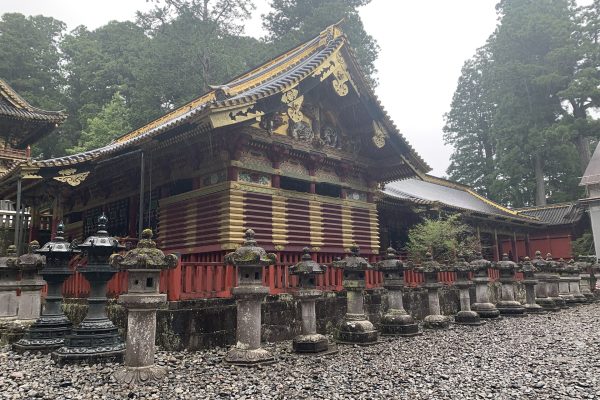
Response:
column 247, row 351
column 554, row 292
column 564, row 291
column 482, row 305
column 309, row 341
column 541, row 292
column 355, row 328
column 49, row 331
column 141, row 335
column 396, row 321
column 435, row 320
column 466, row 316
column 531, row 307
column 507, row 305
column 96, row 339
column 585, row 287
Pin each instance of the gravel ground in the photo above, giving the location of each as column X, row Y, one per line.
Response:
column 555, row 356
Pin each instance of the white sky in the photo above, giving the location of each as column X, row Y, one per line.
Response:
column 423, row 46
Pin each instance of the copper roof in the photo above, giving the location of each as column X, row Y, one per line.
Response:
column 276, row 76
column 555, row 214
column 12, row 105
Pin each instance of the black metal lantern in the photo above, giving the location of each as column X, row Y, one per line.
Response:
column 96, row 339
column 49, row 331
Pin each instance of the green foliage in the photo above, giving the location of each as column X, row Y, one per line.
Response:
column 584, row 245
column 519, row 120
column 110, row 122
column 294, row 21
column 167, row 57
column 443, row 238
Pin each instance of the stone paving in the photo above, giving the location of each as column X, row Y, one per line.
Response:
column 551, row 356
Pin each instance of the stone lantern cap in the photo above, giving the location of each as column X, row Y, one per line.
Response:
column 390, row 261
column 10, row 261
column 31, row 261
column 551, row 265
column 59, row 247
column 101, row 242
column 583, row 263
column 529, row 270
column 480, row 264
column 307, row 266
column 506, row 264
column 353, row 262
column 430, row 265
column 145, row 256
column 249, row 254
column 540, row 264
column 461, row 265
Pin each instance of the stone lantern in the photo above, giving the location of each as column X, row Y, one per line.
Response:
column 50, row 330
column 31, row 284
column 542, row 289
column 96, row 339
column 585, row 275
column 143, row 298
column 307, row 271
column 529, row 281
column 9, row 302
column 355, row 328
column 249, row 259
column 465, row 316
column 430, row 269
column 396, row 321
column 482, row 304
column 574, row 270
column 507, row 304
column 554, row 281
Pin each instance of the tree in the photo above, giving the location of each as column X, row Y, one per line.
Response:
column 295, row 21
column 111, row 121
column 444, row 239
column 30, row 62
column 469, row 126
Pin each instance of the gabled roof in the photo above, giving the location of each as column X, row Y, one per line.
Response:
column 555, row 214
column 592, row 171
column 13, row 107
column 282, row 79
column 432, row 190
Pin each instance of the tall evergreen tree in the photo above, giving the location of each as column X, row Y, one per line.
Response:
column 295, row 21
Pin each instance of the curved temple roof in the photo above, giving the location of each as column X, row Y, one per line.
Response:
column 235, row 101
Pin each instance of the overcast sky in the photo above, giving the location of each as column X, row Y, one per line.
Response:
column 423, row 46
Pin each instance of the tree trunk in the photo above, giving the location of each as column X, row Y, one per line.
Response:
column 540, row 185
column 582, row 143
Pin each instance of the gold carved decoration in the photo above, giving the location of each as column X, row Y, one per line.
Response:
column 294, row 104
column 379, row 135
column 336, row 65
column 69, row 176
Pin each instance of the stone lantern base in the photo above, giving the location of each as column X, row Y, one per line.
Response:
column 45, row 335
column 140, row 375
column 468, row 318
column 560, row 302
column 316, row 343
column 436, row 322
column 511, row 308
column 534, row 309
column 486, row 310
column 248, row 358
column 356, row 330
column 589, row 297
column 547, row 303
column 397, row 323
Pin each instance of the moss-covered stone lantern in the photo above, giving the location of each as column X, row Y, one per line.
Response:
column 50, row 330
column 507, row 305
column 482, row 306
column 574, row 270
column 585, row 274
column 554, row 268
column 355, row 328
column 307, row 272
column 96, row 339
column 143, row 265
column 9, row 302
column 542, row 289
column 529, row 281
column 465, row 316
column 396, row 321
column 430, row 269
column 249, row 259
